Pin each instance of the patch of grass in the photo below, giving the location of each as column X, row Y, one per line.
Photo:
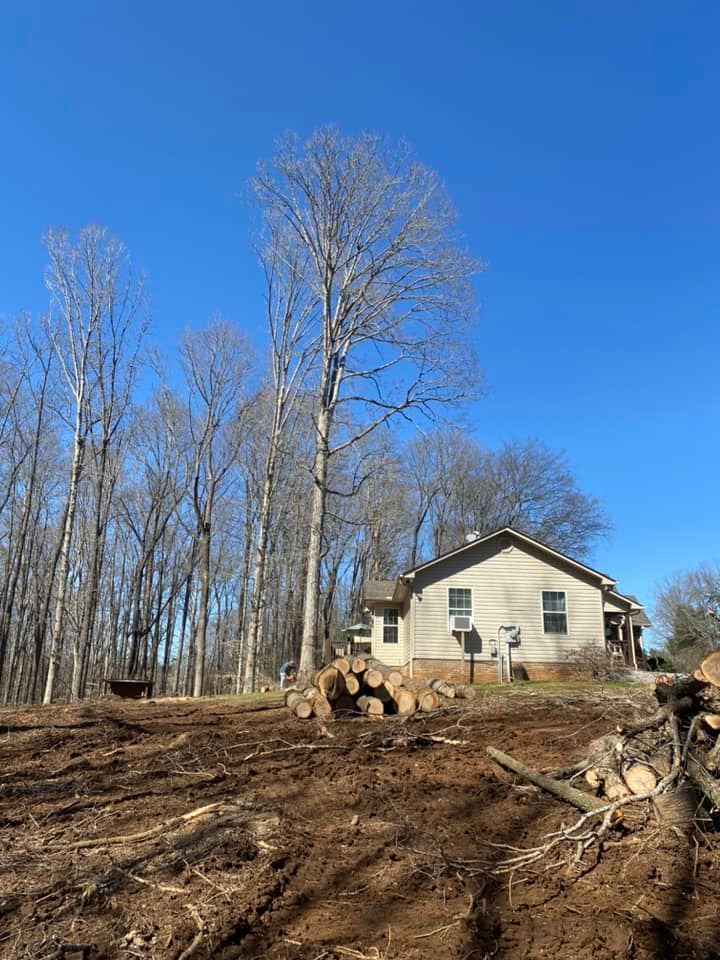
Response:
column 557, row 686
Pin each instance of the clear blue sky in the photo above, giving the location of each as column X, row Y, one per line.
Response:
column 580, row 144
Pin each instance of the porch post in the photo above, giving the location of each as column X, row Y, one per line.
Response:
column 631, row 639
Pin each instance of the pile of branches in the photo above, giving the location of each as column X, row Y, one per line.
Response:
column 363, row 685
column 666, row 765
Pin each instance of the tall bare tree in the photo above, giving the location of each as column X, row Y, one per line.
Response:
column 92, row 330
column 393, row 290
column 291, row 310
column 216, row 361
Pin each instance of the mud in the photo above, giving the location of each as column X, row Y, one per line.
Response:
column 327, row 840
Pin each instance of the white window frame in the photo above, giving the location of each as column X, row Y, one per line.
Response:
column 457, row 609
column 396, row 626
column 543, row 611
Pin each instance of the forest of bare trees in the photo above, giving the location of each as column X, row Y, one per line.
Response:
column 200, row 528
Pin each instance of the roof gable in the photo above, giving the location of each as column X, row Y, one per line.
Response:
column 522, row 538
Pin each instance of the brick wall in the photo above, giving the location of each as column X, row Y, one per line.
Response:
column 485, row 671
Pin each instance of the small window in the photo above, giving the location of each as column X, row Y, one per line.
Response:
column 390, row 625
column 459, row 602
column 554, row 611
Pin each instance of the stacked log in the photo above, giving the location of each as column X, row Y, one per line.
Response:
column 364, row 685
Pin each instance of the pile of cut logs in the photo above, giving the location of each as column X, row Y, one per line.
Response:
column 367, row 686
column 671, row 758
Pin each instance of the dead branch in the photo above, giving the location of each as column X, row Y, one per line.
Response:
column 171, row 824
column 579, row 799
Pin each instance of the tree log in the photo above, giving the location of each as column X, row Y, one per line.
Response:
column 297, row 704
column 321, row 706
column 427, row 701
column 442, row 687
column 405, row 702
column 711, row 668
column 640, row 778
column 331, row 682
column 559, row 788
column 465, row 692
column 701, row 779
column 678, row 809
column 679, row 688
column 392, row 674
column 371, row 706
column 342, row 664
column 385, row 692
column 357, row 665
column 352, row 684
column 373, row 679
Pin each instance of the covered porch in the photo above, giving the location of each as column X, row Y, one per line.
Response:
column 624, row 620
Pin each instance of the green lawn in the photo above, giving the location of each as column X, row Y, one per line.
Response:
column 557, row 686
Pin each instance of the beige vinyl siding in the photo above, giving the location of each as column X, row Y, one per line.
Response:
column 394, row 654
column 507, row 582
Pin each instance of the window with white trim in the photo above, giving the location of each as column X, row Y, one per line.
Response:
column 459, row 602
column 390, row 624
column 554, row 604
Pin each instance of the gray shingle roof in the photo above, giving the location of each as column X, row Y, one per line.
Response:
column 379, row 589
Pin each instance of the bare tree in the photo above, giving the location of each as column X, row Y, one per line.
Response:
column 687, row 614
column 290, row 309
column 95, row 304
column 392, row 288
column 462, row 486
column 216, row 361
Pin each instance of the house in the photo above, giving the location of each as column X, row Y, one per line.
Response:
column 453, row 616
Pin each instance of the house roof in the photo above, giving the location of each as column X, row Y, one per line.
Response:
column 379, row 589
column 508, row 531
column 632, row 605
column 639, row 619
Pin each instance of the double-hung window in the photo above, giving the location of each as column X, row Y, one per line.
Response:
column 390, row 625
column 554, row 605
column 459, row 602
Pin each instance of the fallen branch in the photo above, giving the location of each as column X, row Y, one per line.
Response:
column 172, row 823
column 661, row 716
column 578, row 798
column 199, row 936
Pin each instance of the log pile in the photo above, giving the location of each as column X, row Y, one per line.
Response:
column 363, row 685
column 670, row 760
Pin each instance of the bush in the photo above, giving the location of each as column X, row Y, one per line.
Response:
column 591, row 662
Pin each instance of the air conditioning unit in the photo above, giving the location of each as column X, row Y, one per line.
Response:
column 461, row 624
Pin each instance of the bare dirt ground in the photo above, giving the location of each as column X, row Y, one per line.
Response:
column 323, row 843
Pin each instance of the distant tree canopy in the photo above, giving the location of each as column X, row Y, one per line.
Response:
column 461, row 486
column 687, row 615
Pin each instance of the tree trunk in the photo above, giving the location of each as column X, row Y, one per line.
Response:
column 64, row 566
column 308, row 649
column 201, row 630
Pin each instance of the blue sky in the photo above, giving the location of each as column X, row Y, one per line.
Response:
column 579, row 142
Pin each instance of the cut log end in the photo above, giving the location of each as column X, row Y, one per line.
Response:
column 640, row 779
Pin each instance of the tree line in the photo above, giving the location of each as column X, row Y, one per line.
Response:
column 199, row 525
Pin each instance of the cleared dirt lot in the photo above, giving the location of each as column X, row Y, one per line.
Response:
column 324, row 843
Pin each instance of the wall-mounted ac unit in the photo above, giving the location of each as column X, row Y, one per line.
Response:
column 461, row 624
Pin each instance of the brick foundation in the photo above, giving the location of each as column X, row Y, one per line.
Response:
column 485, row 671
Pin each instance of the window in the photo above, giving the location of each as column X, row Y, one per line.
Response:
column 390, row 625
column 459, row 602
column 554, row 611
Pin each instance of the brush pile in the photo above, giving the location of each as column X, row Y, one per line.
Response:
column 670, row 760
column 367, row 686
